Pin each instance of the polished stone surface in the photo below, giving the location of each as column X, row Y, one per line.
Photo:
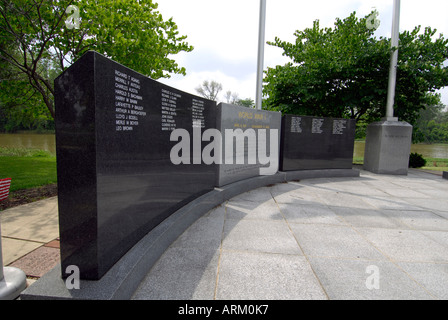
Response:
column 231, row 117
column 312, row 143
column 116, row 179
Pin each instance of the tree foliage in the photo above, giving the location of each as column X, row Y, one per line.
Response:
column 432, row 125
column 343, row 72
column 35, row 39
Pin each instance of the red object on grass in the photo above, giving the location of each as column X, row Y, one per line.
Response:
column 5, row 184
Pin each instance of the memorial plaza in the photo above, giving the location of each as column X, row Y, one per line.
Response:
column 369, row 237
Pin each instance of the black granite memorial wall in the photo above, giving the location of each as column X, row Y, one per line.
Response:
column 116, row 181
column 314, row 143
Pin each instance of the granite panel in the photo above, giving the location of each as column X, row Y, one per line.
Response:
column 245, row 123
column 316, row 143
column 116, row 179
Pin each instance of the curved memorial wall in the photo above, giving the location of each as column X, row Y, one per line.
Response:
column 133, row 153
column 115, row 177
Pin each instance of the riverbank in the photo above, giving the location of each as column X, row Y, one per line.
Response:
column 432, row 164
column 33, row 174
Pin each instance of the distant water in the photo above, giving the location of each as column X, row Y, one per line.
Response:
column 33, row 141
column 427, row 150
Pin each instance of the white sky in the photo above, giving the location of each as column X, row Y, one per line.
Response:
column 225, row 33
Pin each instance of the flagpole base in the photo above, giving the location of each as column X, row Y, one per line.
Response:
column 12, row 284
column 388, row 147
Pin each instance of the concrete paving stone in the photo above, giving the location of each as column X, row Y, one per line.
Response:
column 36, row 221
column 433, row 277
column 377, row 186
column 24, row 213
column 441, row 237
column 260, row 276
column 258, row 196
column 405, row 193
column 181, row 274
column 282, row 188
column 353, row 187
column 365, row 280
column 432, row 204
column 294, row 193
column 420, row 220
column 333, row 241
column 406, row 245
column 218, row 212
column 416, row 185
column 339, row 199
column 205, row 233
column 361, row 191
column 443, row 214
column 38, row 262
column 391, row 203
column 367, row 218
column 320, row 214
column 435, row 193
column 40, row 229
column 259, row 236
column 14, row 249
column 267, row 210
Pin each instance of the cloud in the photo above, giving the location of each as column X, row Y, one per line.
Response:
column 225, row 33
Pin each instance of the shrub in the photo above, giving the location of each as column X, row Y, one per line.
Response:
column 416, row 161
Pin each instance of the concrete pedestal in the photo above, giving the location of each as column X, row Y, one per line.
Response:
column 388, row 147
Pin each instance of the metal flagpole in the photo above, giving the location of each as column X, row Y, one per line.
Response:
column 394, row 62
column 261, row 40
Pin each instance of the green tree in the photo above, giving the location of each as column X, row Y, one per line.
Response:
column 343, row 72
column 432, row 125
column 132, row 32
column 430, row 114
column 248, row 103
column 21, row 107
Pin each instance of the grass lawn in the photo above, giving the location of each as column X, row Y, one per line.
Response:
column 27, row 168
column 436, row 164
column 431, row 163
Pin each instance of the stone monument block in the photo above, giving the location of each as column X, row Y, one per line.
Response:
column 116, row 180
column 250, row 143
column 388, row 147
column 316, row 143
column 445, row 174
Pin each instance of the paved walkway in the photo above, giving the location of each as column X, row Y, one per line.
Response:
column 30, row 237
column 374, row 237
